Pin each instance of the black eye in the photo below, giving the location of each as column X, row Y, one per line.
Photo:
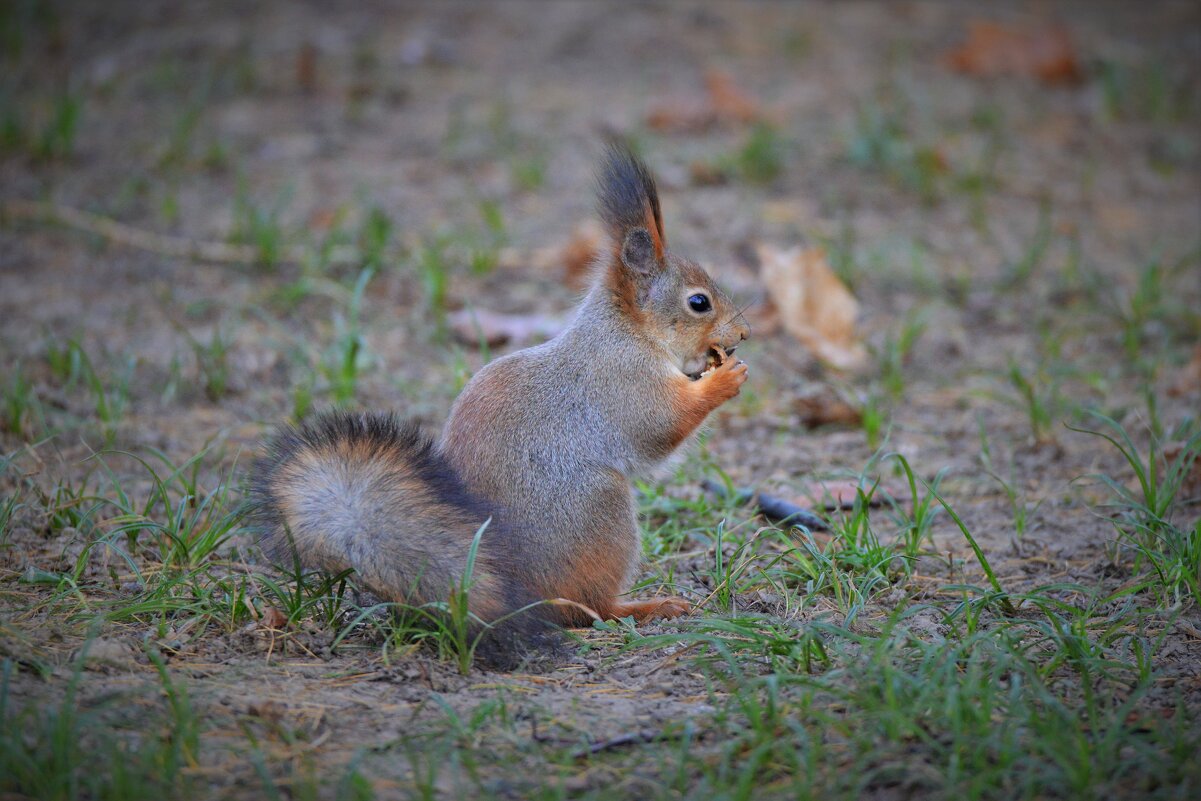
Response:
column 699, row 303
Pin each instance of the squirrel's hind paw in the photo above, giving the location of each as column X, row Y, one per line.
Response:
column 642, row 611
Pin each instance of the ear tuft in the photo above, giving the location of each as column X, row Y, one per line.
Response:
column 627, row 198
column 638, row 252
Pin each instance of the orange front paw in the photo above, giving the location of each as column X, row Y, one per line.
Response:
column 724, row 381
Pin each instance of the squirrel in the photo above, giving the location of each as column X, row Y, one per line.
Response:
column 539, row 449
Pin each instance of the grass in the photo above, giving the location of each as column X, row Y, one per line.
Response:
column 822, row 664
column 896, row 351
column 993, row 699
column 1020, row 508
column 831, row 664
column 882, row 142
column 259, row 226
column 212, row 362
column 45, row 130
column 347, row 356
column 1166, row 548
column 19, row 403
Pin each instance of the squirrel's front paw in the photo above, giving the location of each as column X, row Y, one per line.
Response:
column 725, row 380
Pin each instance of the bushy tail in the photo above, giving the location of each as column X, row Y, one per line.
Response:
column 367, row 492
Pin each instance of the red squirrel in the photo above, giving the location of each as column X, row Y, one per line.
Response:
column 542, row 443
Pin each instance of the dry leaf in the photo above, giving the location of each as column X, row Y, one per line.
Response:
column 814, row 305
column 992, row 49
column 578, row 254
column 704, row 173
column 273, row 619
column 724, row 103
column 1188, row 380
column 471, row 325
column 729, row 103
column 574, row 256
column 825, row 406
column 267, row 710
column 691, row 116
column 306, row 68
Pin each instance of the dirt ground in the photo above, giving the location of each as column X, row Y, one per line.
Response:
column 1023, row 250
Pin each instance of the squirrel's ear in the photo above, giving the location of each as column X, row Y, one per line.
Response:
column 638, row 252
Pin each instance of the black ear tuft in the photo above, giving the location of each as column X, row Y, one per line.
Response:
column 628, row 199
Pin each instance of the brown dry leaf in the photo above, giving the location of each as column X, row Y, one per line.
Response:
column 267, row 710
column 579, row 252
column 825, row 406
column 574, row 256
column 724, row 103
column 470, row 325
column 1188, row 380
column 704, row 173
column 729, row 103
column 993, row 48
column 1118, row 218
column 273, row 619
column 814, row 305
column 691, row 116
column 306, row 68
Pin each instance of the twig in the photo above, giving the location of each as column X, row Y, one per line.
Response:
column 775, row 509
column 163, row 244
column 632, row 738
column 218, row 252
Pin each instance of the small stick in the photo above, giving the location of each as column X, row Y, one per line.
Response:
column 632, row 738
column 178, row 247
column 775, row 509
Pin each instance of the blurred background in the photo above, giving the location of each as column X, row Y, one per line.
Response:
column 265, row 156
column 957, row 227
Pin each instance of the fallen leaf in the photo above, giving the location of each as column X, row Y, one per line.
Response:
column 993, row 48
column 689, row 116
column 306, row 68
column 704, row 173
column 723, row 103
column 824, row 405
column 267, row 710
column 274, row 619
column 579, row 252
column 574, row 256
column 1188, row 380
column 729, row 103
column 814, row 305
column 471, row 325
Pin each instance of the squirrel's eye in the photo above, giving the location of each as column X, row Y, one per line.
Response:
column 699, row 303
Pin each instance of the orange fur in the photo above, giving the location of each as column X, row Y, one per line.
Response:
column 655, row 226
column 695, row 399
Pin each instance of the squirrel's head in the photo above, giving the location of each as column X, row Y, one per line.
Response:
column 668, row 297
